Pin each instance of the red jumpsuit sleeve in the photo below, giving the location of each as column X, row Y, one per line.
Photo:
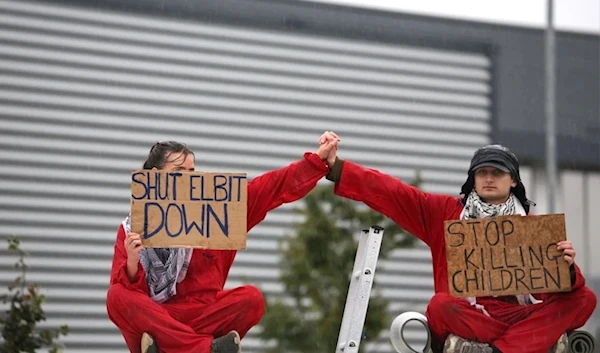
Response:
column 284, row 185
column 118, row 272
column 412, row 209
column 577, row 279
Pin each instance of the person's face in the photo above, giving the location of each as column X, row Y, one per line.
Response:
column 493, row 185
column 179, row 161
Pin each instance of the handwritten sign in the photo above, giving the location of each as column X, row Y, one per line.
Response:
column 506, row 255
column 189, row 209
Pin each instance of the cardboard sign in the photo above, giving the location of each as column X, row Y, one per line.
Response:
column 506, row 255
column 189, row 209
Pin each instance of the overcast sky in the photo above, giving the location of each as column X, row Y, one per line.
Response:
column 570, row 15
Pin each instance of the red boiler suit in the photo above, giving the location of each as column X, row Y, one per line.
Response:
column 511, row 327
column 201, row 309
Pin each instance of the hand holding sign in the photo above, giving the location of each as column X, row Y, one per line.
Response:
column 568, row 251
column 133, row 246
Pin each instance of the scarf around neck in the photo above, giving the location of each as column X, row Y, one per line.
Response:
column 164, row 267
column 476, row 208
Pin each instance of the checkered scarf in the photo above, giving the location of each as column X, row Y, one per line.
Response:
column 476, row 208
column 164, row 267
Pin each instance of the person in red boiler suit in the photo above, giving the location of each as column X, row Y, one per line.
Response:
column 510, row 324
column 173, row 300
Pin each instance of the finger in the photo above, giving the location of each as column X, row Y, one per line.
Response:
column 132, row 237
column 131, row 243
column 136, row 247
column 568, row 259
column 323, row 137
column 324, row 149
column 334, row 135
column 570, row 254
column 128, row 241
column 564, row 245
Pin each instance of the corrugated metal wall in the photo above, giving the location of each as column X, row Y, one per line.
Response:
column 84, row 94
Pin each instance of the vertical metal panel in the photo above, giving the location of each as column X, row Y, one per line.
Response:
column 83, row 94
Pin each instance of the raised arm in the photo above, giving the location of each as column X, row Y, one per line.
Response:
column 272, row 189
column 412, row 209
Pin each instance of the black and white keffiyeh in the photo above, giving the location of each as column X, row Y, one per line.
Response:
column 164, row 267
column 475, row 207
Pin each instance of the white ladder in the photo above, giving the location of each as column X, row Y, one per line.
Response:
column 357, row 302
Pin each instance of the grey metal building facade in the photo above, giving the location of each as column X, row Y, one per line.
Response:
column 86, row 89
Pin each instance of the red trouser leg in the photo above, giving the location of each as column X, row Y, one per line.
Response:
column 541, row 325
column 447, row 314
column 135, row 313
column 237, row 309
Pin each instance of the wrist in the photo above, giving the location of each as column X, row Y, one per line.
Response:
column 335, row 171
column 330, row 162
column 131, row 269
